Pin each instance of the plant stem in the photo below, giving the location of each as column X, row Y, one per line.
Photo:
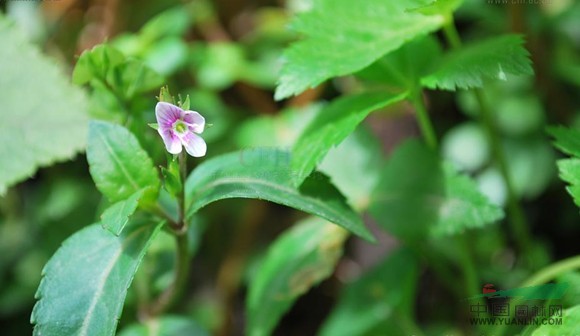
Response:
column 179, row 229
column 552, row 271
column 424, row 122
column 168, row 297
column 515, row 212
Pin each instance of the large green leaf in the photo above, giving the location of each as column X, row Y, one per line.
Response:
column 378, row 303
column 567, row 140
column 165, row 326
column 332, row 125
column 298, row 260
column 44, row 118
column 117, row 215
column 344, row 36
column 418, row 196
column 84, row 284
column 493, row 58
column 569, row 326
column 118, row 164
column 264, row 173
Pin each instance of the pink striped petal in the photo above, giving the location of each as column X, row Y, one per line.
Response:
column 196, row 121
column 171, row 141
column 194, row 144
column 167, row 114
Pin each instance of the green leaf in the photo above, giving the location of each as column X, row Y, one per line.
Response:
column 298, row 260
column 132, row 77
column 569, row 326
column 165, row 326
column 343, row 36
column 280, row 130
column 464, row 206
column 117, row 215
column 364, row 155
column 95, row 63
column 566, row 139
column 264, row 173
column 379, row 301
column 441, row 7
column 332, row 125
column 403, row 68
column 570, row 173
column 44, row 118
column 417, row 196
column 118, row 164
column 492, row 59
column 84, row 284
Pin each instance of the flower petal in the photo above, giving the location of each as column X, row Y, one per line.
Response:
column 195, row 120
column 172, row 142
column 167, row 114
column 194, row 144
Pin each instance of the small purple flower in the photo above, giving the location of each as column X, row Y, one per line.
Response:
column 178, row 127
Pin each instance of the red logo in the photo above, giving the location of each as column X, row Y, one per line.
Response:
column 488, row 288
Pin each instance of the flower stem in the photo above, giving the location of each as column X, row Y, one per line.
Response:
column 168, row 297
column 515, row 212
column 424, row 122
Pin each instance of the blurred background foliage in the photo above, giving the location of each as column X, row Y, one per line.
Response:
column 226, row 55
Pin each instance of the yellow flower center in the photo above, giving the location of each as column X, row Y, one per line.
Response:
column 180, row 126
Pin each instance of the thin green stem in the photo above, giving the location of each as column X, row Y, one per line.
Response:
column 424, row 122
column 168, row 297
column 181, row 197
column 451, row 34
column 515, row 212
column 552, row 271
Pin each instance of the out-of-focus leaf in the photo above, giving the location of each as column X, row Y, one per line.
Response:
column 493, row 59
column 280, row 130
column 165, row 326
column 332, row 125
column 118, row 164
column 95, row 63
column 466, row 147
column 167, row 55
column 220, row 65
column 570, row 322
column 343, row 36
column 84, row 284
column 418, row 196
column 265, row 173
column 44, row 118
column 364, row 155
column 295, row 262
column 172, row 22
column 379, row 302
column 117, row 215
